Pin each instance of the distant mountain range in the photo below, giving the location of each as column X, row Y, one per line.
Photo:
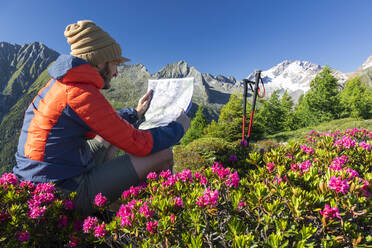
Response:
column 23, row 71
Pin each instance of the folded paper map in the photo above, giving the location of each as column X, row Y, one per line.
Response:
column 170, row 96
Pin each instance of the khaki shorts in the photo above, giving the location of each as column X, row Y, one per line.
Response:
column 110, row 179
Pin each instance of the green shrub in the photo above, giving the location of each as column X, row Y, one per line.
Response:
column 313, row 193
column 200, row 153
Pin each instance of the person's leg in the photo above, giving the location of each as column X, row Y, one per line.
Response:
column 117, row 175
column 159, row 161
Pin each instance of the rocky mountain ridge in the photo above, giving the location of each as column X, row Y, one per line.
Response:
column 19, row 68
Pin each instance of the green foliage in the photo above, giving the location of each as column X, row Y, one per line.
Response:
column 285, row 197
column 356, row 99
column 272, row 114
column 201, row 152
column 321, row 103
column 229, row 125
column 343, row 124
column 197, row 126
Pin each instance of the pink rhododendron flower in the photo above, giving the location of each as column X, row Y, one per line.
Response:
column 100, row 200
column 23, row 236
column 133, row 191
column 352, row 173
column 73, row 242
column 270, row 167
column 345, row 142
column 178, row 202
column 307, row 150
column 365, row 187
column 365, row 146
column 241, row 205
column 9, row 179
column 151, row 226
column 339, row 185
column 145, row 210
column 203, row 180
column 233, row 180
column 44, row 197
column 338, row 162
column 289, row 156
column 125, row 214
column 44, row 188
column 36, row 212
column 233, row 158
column 294, row 167
column 27, row 184
column 220, row 170
column 68, row 204
column 170, row 181
column 152, row 176
column 62, row 221
column 208, row 198
column 330, row 213
column 3, row 215
column 100, row 231
column 278, row 180
column 185, row 175
column 305, row 166
column 223, row 173
column 165, row 174
column 172, row 218
column 89, row 224
column 197, row 175
column 216, row 167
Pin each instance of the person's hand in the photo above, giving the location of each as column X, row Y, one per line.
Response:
column 184, row 120
column 143, row 104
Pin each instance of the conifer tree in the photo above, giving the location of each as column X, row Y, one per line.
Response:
column 356, row 99
column 197, row 126
column 272, row 114
column 229, row 125
column 287, row 105
column 321, row 103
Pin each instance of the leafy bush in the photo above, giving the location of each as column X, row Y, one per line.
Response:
column 36, row 216
column 200, row 153
column 310, row 194
column 314, row 193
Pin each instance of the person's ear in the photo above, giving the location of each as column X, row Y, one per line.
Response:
column 99, row 67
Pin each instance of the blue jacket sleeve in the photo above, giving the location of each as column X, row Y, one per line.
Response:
column 167, row 136
column 129, row 114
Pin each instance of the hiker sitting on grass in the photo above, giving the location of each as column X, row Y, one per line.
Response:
column 70, row 129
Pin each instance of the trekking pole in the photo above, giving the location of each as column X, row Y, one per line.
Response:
column 256, row 88
column 244, row 105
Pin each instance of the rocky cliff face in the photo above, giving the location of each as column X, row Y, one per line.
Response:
column 19, row 68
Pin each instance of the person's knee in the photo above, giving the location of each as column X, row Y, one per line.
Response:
column 168, row 159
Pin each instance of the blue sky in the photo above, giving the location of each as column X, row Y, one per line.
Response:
column 218, row 37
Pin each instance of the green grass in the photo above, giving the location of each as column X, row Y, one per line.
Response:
column 341, row 124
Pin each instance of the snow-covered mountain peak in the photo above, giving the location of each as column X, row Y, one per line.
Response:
column 293, row 76
column 367, row 63
column 289, row 75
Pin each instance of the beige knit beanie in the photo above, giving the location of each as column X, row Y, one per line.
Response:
column 91, row 43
